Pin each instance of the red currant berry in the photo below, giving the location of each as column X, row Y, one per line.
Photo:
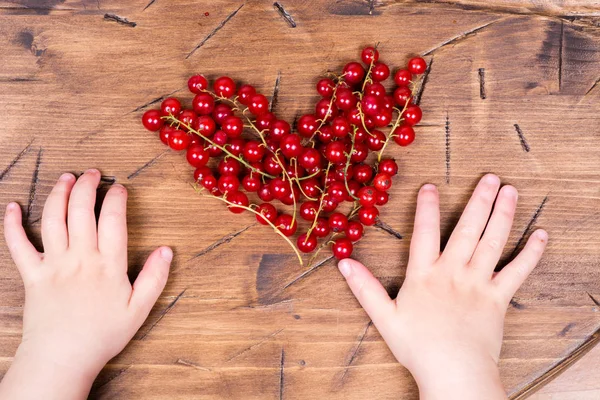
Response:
column 291, row 197
column 384, row 118
column 254, row 151
column 197, row 156
column 308, row 210
column 369, row 55
column 251, row 182
column 321, row 229
column 354, row 73
column 271, row 165
column 382, row 182
column 291, row 146
column 380, row 72
column 354, row 117
column 264, row 121
column 221, row 112
column 325, row 134
column 187, row 118
column 338, row 222
column 307, row 125
column 354, row 231
column 345, row 99
column 279, row 188
column 413, row 115
column 224, row 86
column 388, row 166
column 266, row 212
column 245, row 93
column 264, row 193
column 237, row 198
column 325, row 87
column 236, row 146
column 402, row 95
column 360, row 135
column 310, row 158
column 367, row 196
column 369, row 123
column 376, row 89
column 403, row 77
column 371, row 105
column 342, row 248
column 310, row 187
column 152, row 121
column 376, row 140
column 340, row 172
column 417, row 65
column 295, row 171
column 210, row 183
column 233, row 126
column 220, row 139
column 388, row 103
column 337, row 191
column 200, row 173
column 165, row 131
column 205, row 125
column 382, row 198
column 279, row 129
column 203, row 103
column 197, row 84
column 360, row 153
column 325, row 110
column 336, row 152
column 354, row 187
column 329, row 204
column 341, row 127
column 363, row 173
column 286, row 224
column 258, row 104
column 307, row 244
column 179, row 140
column 228, row 183
column 229, row 166
column 170, row 106
column 404, row 135
column 368, row 215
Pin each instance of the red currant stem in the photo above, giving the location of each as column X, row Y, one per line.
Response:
column 221, row 98
column 348, row 157
column 368, row 76
column 391, row 134
column 329, row 108
column 249, row 208
column 321, row 247
column 323, row 194
column 308, row 176
column 297, row 180
column 362, row 118
column 222, row 148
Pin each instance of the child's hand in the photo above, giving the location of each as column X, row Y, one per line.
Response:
column 80, row 309
column 446, row 324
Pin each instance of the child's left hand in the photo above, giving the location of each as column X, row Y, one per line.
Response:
column 80, row 309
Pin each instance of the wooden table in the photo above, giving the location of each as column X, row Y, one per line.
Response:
column 513, row 88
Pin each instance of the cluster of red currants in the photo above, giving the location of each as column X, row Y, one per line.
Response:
column 316, row 169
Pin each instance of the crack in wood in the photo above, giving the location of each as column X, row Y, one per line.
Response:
column 156, row 100
column 283, row 12
column 566, row 329
column 354, row 352
column 191, row 364
column 162, row 314
column 113, row 377
column 560, row 54
column 447, row 136
column 224, row 240
column 309, row 271
column 281, row 376
column 532, row 221
column 371, row 6
column 120, row 20
column 275, row 95
column 149, row 4
column 462, row 36
column 592, row 87
column 522, row 139
column 146, row 165
column 214, row 31
column 516, row 304
column 34, row 183
column 388, row 229
column 15, row 160
column 482, row 93
column 20, row 79
column 419, row 94
column 596, row 302
column 247, row 349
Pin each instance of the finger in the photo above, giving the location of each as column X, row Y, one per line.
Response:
column 22, row 251
column 112, row 225
column 467, row 233
column 514, row 274
column 425, row 241
column 150, row 282
column 489, row 250
column 54, row 218
column 81, row 218
column 367, row 290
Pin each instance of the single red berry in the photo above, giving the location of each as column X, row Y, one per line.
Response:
column 307, row 244
column 403, row 77
column 329, row 204
column 340, row 172
column 224, row 86
column 286, row 224
column 271, row 165
column 371, row 105
column 170, row 106
column 380, row 72
column 336, row 152
column 341, row 127
column 337, row 191
column 164, row 133
column 310, row 187
column 342, row 248
column 321, row 229
column 325, row 87
column 354, row 73
column 417, row 65
column 254, row 151
column 383, row 119
column 200, row 173
column 291, row 197
column 236, row 146
column 239, row 199
column 325, row 110
column 210, row 183
column 187, row 118
column 376, row 140
column 308, row 210
column 369, row 123
column 205, row 125
column 233, row 126
column 203, row 103
column 197, row 84
column 310, row 158
column 359, row 153
column 258, row 104
column 353, row 187
column 152, row 121
column 251, row 182
column 279, row 129
column 363, row 173
column 220, row 139
column 228, row 183
column 360, row 135
column 291, row 146
column 279, row 188
column 326, row 134
column 345, row 99
column 179, row 140
column 338, row 222
column 382, row 182
column 376, row 89
column 354, row 117
column 263, row 122
column 404, row 135
column 382, row 198
column 229, row 166
column 368, row 215
column 307, row 125
column 264, row 193
column 388, row 103
column 294, row 170
column 197, row 156
column 354, row 231
column 402, row 95
column 245, row 93
column 413, row 115
column 221, row 112
column 388, row 166
column 367, row 196
column 369, row 55
column 266, row 212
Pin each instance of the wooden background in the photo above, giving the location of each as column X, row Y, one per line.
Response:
column 513, row 89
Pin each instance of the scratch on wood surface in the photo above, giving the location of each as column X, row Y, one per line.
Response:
column 162, row 314
column 275, row 95
column 281, row 376
column 120, row 20
column 596, row 302
column 516, row 304
column 34, row 183
column 447, row 127
column 224, row 240
column 482, row 93
column 156, row 100
column 15, row 160
column 388, row 229
column 113, row 377
column 421, row 89
column 146, row 165
column 214, row 31
column 309, row 271
column 149, row 4
column 522, row 139
column 288, row 302
column 559, row 367
column 532, row 221
column 20, row 79
column 354, row 352
column 566, row 329
column 460, row 37
column 592, row 87
column 191, row 364
column 560, row 54
column 255, row 345
column 283, row 12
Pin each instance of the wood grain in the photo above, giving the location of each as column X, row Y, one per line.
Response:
column 239, row 317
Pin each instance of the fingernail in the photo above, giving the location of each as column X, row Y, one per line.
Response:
column 65, row 177
column 12, row 206
column 429, row 187
column 542, row 234
column 491, row 179
column 92, row 171
column 166, row 254
column 345, row 268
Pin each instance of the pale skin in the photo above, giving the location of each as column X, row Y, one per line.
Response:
column 80, row 310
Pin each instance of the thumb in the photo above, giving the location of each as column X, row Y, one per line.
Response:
column 151, row 281
column 367, row 290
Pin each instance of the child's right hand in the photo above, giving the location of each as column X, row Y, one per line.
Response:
column 446, row 323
